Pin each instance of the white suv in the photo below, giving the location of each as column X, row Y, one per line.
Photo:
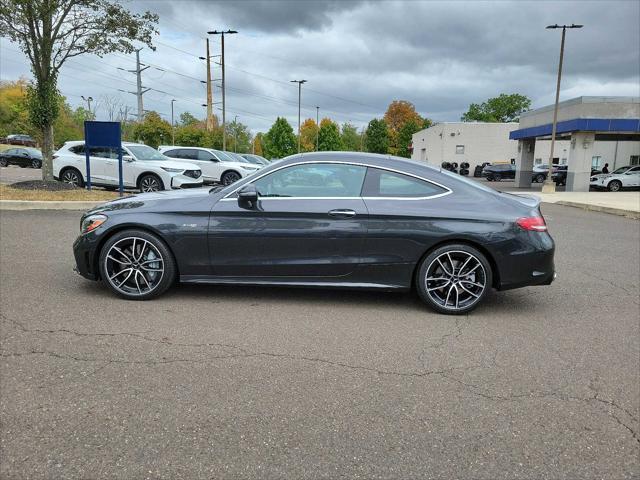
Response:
column 623, row 177
column 216, row 166
column 142, row 167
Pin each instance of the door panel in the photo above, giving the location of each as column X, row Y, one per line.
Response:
column 294, row 237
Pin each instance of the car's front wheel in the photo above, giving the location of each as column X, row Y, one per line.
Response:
column 72, row 177
column 497, row 177
column 454, row 279
column 614, row 186
column 36, row 164
column 539, row 178
column 150, row 183
column 230, row 177
column 4, row 162
column 137, row 265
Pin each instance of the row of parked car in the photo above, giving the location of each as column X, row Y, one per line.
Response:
column 148, row 170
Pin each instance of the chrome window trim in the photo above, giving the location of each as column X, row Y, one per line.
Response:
column 437, row 195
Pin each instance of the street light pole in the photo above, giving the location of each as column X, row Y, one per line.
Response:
column 549, row 186
column 224, row 128
column 88, row 100
column 235, row 134
column 173, row 128
column 317, row 127
column 299, row 82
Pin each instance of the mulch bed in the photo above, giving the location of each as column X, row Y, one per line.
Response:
column 42, row 185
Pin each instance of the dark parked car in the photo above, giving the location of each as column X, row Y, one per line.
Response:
column 559, row 175
column 25, row 140
column 368, row 221
column 499, row 171
column 24, row 157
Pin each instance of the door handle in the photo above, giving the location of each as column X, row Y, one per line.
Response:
column 342, row 213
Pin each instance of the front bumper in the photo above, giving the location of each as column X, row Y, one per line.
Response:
column 84, row 252
column 182, row 181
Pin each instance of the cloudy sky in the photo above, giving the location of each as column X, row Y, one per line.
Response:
column 358, row 56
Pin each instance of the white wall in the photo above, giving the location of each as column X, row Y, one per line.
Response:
column 606, row 150
column 480, row 142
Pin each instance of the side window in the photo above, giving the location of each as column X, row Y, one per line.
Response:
column 383, row 183
column 313, row 180
column 189, row 154
column 175, row 153
column 103, row 152
column 11, row 151
column 77, row 149
column 204, row 155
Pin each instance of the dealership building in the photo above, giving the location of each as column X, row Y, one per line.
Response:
column 607, row 130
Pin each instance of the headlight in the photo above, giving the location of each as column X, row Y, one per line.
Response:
column 92, row 222
column 251, row 169
column 593, row 179
column 172, row 170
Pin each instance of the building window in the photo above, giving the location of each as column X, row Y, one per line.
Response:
column 596, row 162
column 423, row 154
column 538, row 161
column 459, row 149
column 634, row 159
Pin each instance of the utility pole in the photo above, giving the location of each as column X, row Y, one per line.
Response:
column 224, row 118
column 299, row 82
column 173, row 128
column 139, row 89
column 317, row 127
column 209, row 90
column 549, row 186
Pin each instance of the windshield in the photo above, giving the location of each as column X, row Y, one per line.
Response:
column 34, row 151
column 253, row 160
column 224, row 156
column 143, row 152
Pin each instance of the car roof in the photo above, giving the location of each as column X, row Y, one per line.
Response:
column 167, row 147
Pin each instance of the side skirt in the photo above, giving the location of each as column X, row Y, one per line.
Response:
column 289, row 282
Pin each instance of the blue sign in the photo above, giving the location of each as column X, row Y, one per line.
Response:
column 106, row 135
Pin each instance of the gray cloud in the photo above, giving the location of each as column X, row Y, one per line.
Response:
column 359, row 56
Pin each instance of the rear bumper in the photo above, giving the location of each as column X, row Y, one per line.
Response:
column 529, row 265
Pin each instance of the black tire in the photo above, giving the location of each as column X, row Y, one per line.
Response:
column 166, row 261
column 72, row 176
column 36, row 164
column 489, row 178
column 230, row 177
column 431, row 295
column 446, row 165
column 150, row 182
column 497, row 177
column 4, row 162
column 614, row 186
column 540, row 178
column 454, row 165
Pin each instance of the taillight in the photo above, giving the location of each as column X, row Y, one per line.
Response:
column 535, row 224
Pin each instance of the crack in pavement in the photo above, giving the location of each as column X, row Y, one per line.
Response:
column 244, row 353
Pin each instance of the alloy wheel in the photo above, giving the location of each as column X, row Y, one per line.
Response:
column 134, row 266
column 71, row 178
column 455, row 280
column 230, row 178
column 149, row 184
column 35, row 164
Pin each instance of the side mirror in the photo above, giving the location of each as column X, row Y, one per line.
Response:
column 248, row 196
column 127, row 158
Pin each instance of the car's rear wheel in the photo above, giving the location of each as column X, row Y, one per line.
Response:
column 230, row 177
column 539, row 178
column 454, row 279
column 497, row 177
column 614, row 186
column 36, row 164
column 137, row 265
column 3, row 162
column 150, row 183
column 72, row 177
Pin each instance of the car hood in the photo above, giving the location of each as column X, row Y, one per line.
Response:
column 170, row 164
column 164, row 200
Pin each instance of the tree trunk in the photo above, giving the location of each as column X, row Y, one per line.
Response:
column 47, row 153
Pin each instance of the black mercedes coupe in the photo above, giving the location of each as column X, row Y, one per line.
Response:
column 329, row 219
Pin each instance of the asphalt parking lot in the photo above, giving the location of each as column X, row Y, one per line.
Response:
column 13, row 174
column 237, row 382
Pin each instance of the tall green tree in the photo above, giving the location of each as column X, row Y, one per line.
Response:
column 501, row 109
column 350, row 137
column 405, row 136
column 377, row 137
column 50, row 32
column 187, row 118
column 153, row 130
column 329, row 136
column 280, row 141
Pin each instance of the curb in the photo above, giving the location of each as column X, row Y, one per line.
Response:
column 49, row 205
column 600, row 208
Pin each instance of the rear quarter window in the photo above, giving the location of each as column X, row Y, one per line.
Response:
column 384, row 183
